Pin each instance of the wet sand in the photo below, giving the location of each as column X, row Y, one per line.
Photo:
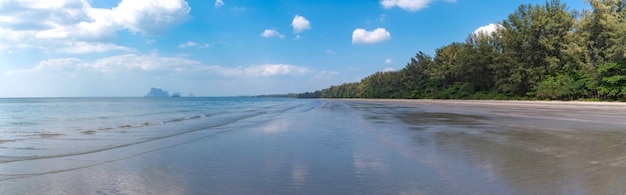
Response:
column 533, row 147
column 364, row 147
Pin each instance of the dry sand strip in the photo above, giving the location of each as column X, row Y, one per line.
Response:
column 597, row 112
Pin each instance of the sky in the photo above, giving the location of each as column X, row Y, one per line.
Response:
column 122, row 48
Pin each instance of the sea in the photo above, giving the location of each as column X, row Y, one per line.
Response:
column 46, row 136
column 39, row 128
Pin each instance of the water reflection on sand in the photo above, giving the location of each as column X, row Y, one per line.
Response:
column 561, row 149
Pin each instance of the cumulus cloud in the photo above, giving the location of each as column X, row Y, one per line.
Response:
column 51, row 24
column 362, row 36
column 267, row 33
column 408, row 5
column 300, row 24
column 388, row 61
column 150, row 17
column 488, row 29
column 219, row 3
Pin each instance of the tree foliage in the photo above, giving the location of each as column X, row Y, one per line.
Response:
column 538, row 51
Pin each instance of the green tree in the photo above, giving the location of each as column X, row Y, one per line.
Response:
column 613, row 84
column 557, row 87
column 476, row 58
column 414, row 79
column 381, row 85
column 533, row 39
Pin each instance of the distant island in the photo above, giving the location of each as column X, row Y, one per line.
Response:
column 157, row 92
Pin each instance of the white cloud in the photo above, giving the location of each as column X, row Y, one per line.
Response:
column 114, row 64
column 188, row 44
column 154, row 63
column 300, row 24
column 193, row 44
column 92, row 47
column 409, row 5
column 328, row 51
column 388, row 61
column 219, row 3
column 51, row 24
column 275, row 70
column 488, row 29
column 362, row 36
column 267, row 33
column 151, row 17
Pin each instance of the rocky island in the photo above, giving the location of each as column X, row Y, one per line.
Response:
column 156, row 92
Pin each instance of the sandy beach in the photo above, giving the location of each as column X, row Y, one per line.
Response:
column 543, row 147
column 360, row 147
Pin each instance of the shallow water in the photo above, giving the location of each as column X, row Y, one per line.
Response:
column 290, row 146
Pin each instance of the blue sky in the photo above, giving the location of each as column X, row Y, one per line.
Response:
column 224, row 47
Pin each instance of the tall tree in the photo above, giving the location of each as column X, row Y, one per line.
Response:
column 533, row 40
column 603, row 29
column 414, row 79
column 476, row 58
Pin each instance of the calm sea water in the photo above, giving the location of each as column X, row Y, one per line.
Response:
column 40, row 128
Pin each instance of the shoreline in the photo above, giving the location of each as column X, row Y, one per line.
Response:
column 479, row 101
column 613, row 105
column 564, row 111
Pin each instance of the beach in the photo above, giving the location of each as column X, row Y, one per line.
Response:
column 354, row 147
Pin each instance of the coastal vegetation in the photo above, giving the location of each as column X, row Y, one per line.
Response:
column 538, row 52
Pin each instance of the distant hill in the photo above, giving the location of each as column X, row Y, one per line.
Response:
column 156, row 92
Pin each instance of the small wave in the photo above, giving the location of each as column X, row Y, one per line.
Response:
column 126, row 126
column 187, row 118
column 176, row 120
column 88, row 132
column 5, row 141
column 144, row 124
column 23, row 123
column 49, row 135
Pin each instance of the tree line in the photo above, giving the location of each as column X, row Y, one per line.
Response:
column 539, row 52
